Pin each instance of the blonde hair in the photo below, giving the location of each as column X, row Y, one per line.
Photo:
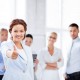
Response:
column 54, row 33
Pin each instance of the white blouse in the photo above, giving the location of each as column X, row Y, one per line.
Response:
column 22, row 53
column 45, row 57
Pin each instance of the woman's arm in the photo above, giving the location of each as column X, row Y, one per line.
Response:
column 60, row 61
column 7, row 52
column 51, row 65
column 56, row 65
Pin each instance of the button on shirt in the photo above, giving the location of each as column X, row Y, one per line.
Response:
column 74, row 57
column 2, row 70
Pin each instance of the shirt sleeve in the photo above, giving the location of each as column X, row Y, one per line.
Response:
column 4, row 49
column 61, row 61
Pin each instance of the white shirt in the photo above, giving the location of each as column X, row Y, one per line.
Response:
column 73, row 64
column 22, row 53
column 45, row 57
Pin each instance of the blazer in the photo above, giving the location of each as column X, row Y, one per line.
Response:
column 17, row 69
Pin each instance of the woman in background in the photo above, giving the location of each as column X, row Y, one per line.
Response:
column 17, row 56
column 50, row 60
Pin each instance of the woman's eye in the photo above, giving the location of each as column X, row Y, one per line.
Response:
column 15, row 31
column 21, row 31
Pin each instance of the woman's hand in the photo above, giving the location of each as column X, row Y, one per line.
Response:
column 36, row 61
column 12, row 53
column 51, row 65
column 59, row 60
column 36, row 64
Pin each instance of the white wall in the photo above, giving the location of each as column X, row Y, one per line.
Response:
column 36, row 22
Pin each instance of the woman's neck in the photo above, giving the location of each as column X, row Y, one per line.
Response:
column 18, row 44
column 51, row 50
column 50, row 47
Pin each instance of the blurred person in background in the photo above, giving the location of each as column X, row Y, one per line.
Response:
column 50, row 60
column 28, row 42
column 3, row 37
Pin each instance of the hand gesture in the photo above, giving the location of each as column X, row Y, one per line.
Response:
column 14, row 54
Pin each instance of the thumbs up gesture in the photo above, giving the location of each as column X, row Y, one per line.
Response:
column 14, row 54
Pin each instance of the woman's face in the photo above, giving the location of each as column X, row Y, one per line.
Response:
column 18, row 33
column 28, row 41
column 52, row 39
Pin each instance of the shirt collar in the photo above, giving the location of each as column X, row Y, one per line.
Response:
column 76, row 39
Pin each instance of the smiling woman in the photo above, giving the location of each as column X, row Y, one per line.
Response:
column 17, row 56
column 18, row 29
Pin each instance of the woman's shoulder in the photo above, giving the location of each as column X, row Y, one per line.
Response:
column 58, row 50
column 24, row 45
column 27, row 48
column 7, row 43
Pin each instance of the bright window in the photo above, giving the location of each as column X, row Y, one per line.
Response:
column 53, row 13
column 10, row 9
column 7, row 12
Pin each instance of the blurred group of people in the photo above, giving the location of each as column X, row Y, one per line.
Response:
column 18, row 62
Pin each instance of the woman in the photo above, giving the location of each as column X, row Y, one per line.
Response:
column 17, row 56
column 50, row 60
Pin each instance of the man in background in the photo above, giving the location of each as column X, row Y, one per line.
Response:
column 3, row 37
column 73, row 62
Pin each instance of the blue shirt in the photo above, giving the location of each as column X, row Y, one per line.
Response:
column 74, row 57
column 2, row 70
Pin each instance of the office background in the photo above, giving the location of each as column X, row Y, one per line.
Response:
column 43, row 17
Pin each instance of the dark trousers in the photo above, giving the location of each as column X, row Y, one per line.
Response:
column 73, row 76
column 1, row 76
